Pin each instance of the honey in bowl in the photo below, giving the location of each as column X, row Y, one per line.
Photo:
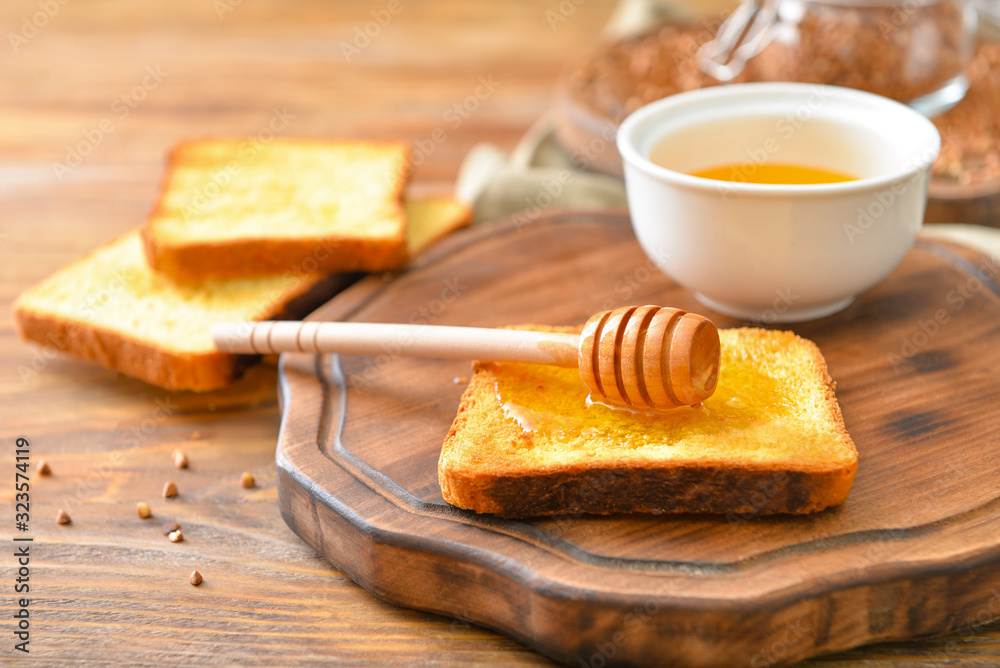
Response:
column 773, row 173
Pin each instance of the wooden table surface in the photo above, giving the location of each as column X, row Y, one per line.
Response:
column 91, row 95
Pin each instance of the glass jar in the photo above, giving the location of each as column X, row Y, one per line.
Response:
column 914, row 51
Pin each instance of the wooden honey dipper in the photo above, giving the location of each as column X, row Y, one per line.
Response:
column 642, row 358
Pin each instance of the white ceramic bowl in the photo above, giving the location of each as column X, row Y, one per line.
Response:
column 777, row 253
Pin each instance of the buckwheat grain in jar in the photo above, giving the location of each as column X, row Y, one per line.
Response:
column 914, row 51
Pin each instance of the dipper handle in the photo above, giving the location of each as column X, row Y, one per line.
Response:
column 367, row 338
column 643, row 358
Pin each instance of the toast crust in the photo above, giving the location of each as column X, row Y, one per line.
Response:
column 199, row 369
column 195, row 261
column 248, row 258
column 737, row 493
column 486, row 483
column 172, row 369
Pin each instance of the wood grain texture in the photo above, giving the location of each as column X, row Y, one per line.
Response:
column 109, row 588
column 915, row 550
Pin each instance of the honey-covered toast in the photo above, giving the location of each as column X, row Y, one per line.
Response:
column 771, row 439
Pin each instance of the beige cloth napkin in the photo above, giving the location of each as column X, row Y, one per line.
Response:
column 539, row 174
column 536, row 176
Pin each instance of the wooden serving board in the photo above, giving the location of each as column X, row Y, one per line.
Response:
column 914, row 551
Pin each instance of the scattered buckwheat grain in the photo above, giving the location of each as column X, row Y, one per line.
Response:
column 180, row 459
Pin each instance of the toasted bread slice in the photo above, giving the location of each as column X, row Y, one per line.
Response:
column 234, row 208
column 111, row 307
column 770, row 440
column 431, row 218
